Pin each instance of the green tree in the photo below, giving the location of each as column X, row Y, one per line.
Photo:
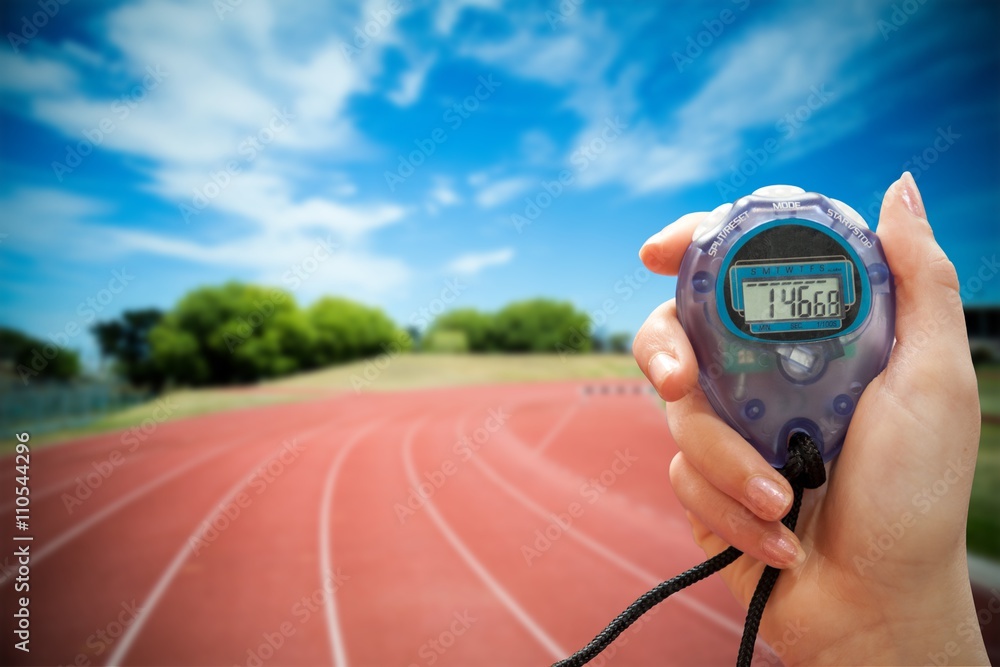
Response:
column 477, row 327
column 620, row 342
column 542, row 325
column 233, row 333
column 347, row 330
column 33, row 359
column 126, row 340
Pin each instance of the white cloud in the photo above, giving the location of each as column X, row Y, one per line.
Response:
column 501, row 191
column 473, row 262
column 23, row 74
column 443, row 194
column 758, row 78
column 411, row 82
column 477, row 179
column 537, row 148
column 192, row 90
column 266, row 256
column 449, row 11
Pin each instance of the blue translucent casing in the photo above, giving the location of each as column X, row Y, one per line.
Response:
column 768, row 389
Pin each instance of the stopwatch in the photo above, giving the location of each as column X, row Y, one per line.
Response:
column 788, row 301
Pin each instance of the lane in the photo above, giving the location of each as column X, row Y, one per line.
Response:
column 88, row 460
column 236, row 579
column 411, row 599
column 57, row 521
column 222, row 512
column 260, row 567
column 613, row 557
column 327, row 565
column 86, row 594
column 571, row 590
column 529, row 623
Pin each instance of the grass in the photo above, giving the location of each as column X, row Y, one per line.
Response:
column 416, row 371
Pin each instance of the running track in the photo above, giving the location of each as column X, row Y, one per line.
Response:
column 363, row 530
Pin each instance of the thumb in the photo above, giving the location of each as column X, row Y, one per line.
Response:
column 930, row 322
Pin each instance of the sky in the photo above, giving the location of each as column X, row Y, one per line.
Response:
column 425, row 156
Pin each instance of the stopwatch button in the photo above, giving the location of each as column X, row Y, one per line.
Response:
column 711, row 223
column 778, row 191
column 843, row 405
column 851, row 213
column 801, row 363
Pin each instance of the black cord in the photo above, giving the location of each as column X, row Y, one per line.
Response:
column 647, row 602
column 805, row 470
column 763, row 591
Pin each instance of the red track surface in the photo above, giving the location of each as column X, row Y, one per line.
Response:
column 488, row 526
column 316, row 558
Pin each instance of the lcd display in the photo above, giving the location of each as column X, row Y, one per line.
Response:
column 793, row 299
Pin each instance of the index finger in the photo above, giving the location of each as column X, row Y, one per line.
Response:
column 663, row 252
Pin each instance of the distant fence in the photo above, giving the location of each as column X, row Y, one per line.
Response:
column 41, row 408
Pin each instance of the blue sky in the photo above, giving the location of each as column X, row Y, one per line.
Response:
column 187, row 143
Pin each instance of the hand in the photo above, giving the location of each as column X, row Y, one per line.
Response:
column 878, row 572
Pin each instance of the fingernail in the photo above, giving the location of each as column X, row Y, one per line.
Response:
column 911, row 195
column 767, row 496
column 782, row 551
column 660, row 366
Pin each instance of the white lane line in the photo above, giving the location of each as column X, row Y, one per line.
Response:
column 326, row 569
column 123, row 645
column 38, row 496
column 78, row 529
column 556, row 429
column 613, row 557
column 532, row 626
